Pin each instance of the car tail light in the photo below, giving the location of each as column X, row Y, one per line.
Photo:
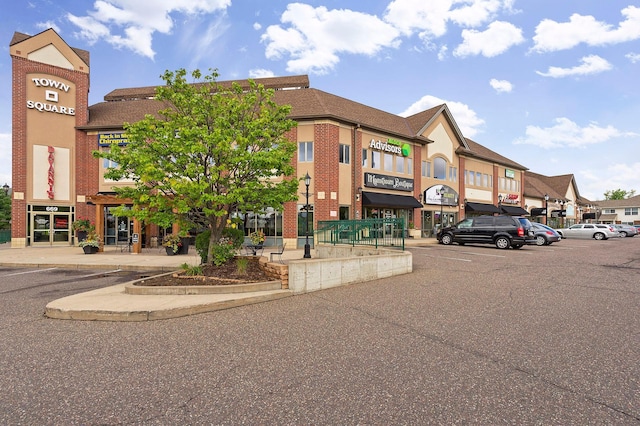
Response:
column 549, row 233
column 520, row 231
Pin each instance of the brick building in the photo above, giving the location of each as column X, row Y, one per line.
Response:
column 363, row 162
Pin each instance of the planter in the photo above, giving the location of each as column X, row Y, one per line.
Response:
column 90, row 249
column 170, row 251
column 184, row 248
column 415, row 233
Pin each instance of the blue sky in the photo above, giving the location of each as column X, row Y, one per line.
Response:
column 552, row 85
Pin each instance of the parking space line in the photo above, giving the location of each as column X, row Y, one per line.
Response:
column 29, row 272
column 449, row 258
column 482, row 254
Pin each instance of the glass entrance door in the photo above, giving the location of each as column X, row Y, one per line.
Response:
column 50, row 229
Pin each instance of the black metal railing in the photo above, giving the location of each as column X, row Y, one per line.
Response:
column 369, row 232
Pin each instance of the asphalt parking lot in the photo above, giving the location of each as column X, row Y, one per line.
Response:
column 475, row 335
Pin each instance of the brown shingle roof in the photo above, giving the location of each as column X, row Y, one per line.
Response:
column 20, row 37
column 276, row 83
column 627, row 202
column 535, row 186
column 306, row 103
column 482, row 152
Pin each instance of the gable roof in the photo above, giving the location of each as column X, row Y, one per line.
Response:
column 422, row 120
column 130, row 105
column 18, row 37
column 627, row 202
column 474, row 149
column 559, row 185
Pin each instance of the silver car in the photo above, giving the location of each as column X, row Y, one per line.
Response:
column 597, row 231
column 626, row 230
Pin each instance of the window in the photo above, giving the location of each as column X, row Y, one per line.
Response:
column 344, row 213
column 439, row 168
column 305, row 152
column 611, row 211
column 478, row 178
column 410, row 167
column 485, row 180
column 364, row 158
column 470, row 177
column 375, row 160
column 631, row 211
column 388, row 162
column 345, row 156
column 302, row 220
column 426, row 169
column 400, row 164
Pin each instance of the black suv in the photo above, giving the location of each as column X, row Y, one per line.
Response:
column 503, row 231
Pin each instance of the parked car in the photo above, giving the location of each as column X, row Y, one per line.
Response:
column 544, row 234
column 597, row 231
column 626, row 230
column 503, row 231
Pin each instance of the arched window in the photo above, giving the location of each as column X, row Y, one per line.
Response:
column 439, row 168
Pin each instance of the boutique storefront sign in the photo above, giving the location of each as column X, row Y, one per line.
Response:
column 373, row 180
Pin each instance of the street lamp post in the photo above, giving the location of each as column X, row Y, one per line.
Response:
column 561, row 213
column 546, row 209
column 500, row 204
column 307, row 247
column 441, row 206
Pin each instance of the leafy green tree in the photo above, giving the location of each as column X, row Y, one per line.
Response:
column 5, row 210
column 210, row 151
column 618, row 194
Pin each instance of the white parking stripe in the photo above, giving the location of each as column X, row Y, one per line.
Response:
column 29, row 272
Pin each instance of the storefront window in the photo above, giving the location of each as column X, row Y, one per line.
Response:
column 388, row 162
column 302, row 220
column 439, row 168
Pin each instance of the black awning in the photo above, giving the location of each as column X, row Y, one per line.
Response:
column 515, row 211
column 480, row 208
column 389, row 200
column 538, row 211
column 586, row 216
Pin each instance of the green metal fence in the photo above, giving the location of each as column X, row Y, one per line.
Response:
column 5, row 235
column 369, row 232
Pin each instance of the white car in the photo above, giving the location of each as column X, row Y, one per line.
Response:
column 597, row 231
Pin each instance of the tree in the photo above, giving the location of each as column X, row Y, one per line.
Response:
column 211, row 151
column 5, row 210
column 618, row 194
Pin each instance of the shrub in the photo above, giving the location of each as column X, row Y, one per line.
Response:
column 236, row 236
column 223, row 251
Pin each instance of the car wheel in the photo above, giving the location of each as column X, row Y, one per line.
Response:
column 540, row 240
column 502, row 243
column 446, row 239
column 623, row 234
column 598, row 236
column 518, row 246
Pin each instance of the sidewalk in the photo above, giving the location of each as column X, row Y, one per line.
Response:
column 113, row 304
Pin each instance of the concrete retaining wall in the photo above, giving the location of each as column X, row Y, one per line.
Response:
column 341, row 265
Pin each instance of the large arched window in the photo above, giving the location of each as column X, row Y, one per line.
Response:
column 439, row 168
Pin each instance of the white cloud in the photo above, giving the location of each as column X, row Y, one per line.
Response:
column 466, row 118
column 257, row 26
column 501, row 86
column 130, row 24
column 497, row 39
column 429, row 18
column 260, row 73
column 594, row 183
column 566, row 133
column 633, row 57
column 552, row 36
column 592, row 64
column 442, row 53
column 48, row 24
column 313, row 37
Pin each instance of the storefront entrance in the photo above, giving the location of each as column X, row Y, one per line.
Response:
column 50, row 225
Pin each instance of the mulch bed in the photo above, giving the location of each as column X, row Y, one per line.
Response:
column 226, row 274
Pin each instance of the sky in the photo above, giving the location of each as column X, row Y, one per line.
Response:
column 552, row 85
